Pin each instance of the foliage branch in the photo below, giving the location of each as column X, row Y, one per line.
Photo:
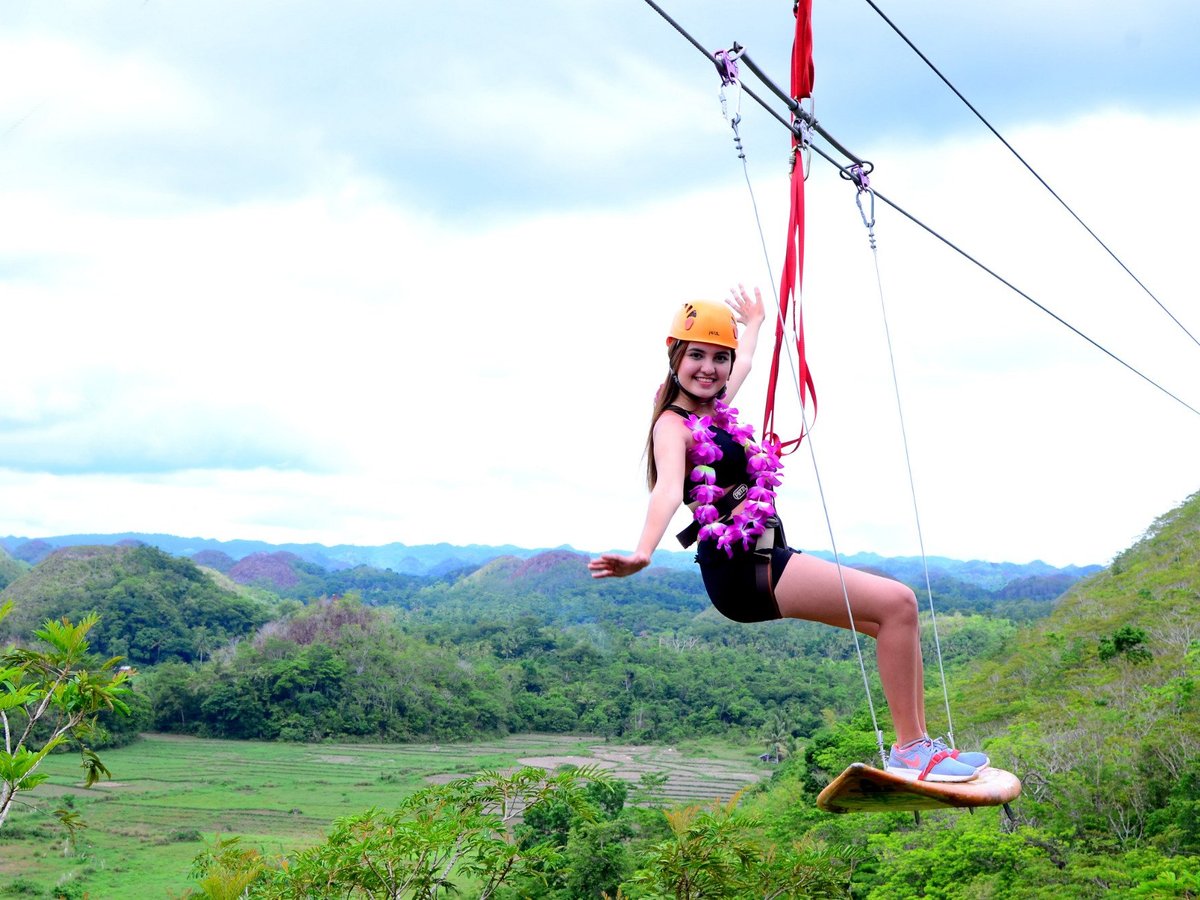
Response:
column 48, row 697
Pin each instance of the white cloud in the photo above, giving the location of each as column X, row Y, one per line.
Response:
column 493, row 386
column 331, row 362
column 74, row 90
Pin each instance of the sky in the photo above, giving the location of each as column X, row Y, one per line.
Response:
column 373, row 271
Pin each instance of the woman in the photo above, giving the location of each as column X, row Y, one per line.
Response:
column 698, row 454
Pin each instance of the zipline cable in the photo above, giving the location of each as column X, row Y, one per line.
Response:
column 925, row 59
column 810, row 122
column 796, row 109
column 1043, row 308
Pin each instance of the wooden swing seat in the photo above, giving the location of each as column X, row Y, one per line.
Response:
column 863, row 788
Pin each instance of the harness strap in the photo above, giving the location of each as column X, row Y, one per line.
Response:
column 763, row 556
column 725, row 507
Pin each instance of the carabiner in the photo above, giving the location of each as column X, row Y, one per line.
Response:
column 869, row 222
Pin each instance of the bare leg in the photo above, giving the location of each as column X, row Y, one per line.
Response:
column 883, row 609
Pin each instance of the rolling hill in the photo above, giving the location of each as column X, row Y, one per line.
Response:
column 154, row 607
column 1096, row 706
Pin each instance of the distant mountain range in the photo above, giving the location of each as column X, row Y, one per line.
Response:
column 438, row 559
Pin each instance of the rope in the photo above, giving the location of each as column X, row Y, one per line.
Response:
column 728, row 70
column 837, row 560
column 1030, row 168
column 863, row 183
column 726, row 64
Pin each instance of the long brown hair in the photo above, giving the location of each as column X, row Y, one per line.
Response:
column 667, row 392
column 666, row 395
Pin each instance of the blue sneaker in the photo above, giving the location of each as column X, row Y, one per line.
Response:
column 922, row 760
column 971, row 758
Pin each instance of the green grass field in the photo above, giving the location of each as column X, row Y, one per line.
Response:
column 169, row 796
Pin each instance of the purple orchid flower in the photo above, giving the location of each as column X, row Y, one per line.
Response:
column 742, row 434
column 704, row 453
column 725, row 415
column 761, row 459
column 727, row 539
column 758, row 510
column 763, row 466
column 750, row 535
column 707, row 493
column 766, row 478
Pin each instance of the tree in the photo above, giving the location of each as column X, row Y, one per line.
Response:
column 720, row 852
column 1126, row 641
column 778, row 735
column 590, row 841
column 650, row 788
column 418, row 850
column 48, row 697
column 227, row 871
column 597, row 859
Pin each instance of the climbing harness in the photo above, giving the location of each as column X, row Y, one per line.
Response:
column 725, row 506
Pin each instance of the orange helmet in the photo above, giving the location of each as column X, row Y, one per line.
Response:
column 705, row 321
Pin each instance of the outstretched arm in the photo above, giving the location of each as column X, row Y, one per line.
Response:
column 749, row 312
column 671, row 438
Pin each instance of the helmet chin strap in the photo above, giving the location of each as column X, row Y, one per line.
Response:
column 693, row 397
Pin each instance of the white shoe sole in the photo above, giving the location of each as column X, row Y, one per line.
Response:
column 912, row 775
column 977, row 769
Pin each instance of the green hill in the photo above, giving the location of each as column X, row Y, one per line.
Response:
column 153, row 607
column 10, row 569
column 288, row 575
column 437, row 560
column 1095, row 706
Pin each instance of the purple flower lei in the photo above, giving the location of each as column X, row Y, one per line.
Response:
column 762, row 465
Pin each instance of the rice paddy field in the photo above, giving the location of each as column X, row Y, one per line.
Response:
column 170, row 796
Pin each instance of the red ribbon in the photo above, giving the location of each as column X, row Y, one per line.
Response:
column 792, row 279
column 802, row 61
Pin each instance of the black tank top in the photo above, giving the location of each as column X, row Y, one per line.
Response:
column 730, row 468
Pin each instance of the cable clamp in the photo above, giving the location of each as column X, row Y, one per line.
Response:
column 802, row 135
column 802, row 129
column 859, row 173
column 727, row 67
column 726, row 63
column 804, row 123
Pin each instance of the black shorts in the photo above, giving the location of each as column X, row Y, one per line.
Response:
column 732, row 585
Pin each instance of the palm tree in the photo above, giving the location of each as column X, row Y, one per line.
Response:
column 778, row 734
